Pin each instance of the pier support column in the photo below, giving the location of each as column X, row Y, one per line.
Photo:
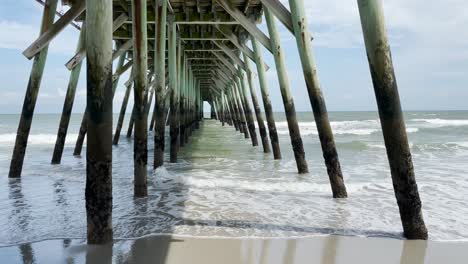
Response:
column 30, row 98
column 123, row 109
column 173, row 82
column 212, row 111
column 84, row 120
column 160, row 70
column 266, row 99
column 288, row 101
column 68, row 104
column 248, row 110
column 233, row 114
column 240, row 107
column 258, row 112
column 237, row 110
column 391, row 118
column 99, row 125
column 304, row 45
column 140, row 64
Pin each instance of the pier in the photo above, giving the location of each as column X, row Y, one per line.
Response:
column 180, row 54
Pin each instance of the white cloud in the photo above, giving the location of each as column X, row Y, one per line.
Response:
column 18, row 36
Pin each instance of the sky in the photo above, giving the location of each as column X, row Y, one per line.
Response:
column 428, row 39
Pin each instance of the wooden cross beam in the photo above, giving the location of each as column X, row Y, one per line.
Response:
column 118, row 22
column 280, row 11
column 246, row 23
column 54, row 30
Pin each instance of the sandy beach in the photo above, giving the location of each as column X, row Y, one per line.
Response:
column 177, row 250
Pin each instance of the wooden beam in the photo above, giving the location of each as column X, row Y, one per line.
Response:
column 246, row 23
column 80, row 55
column 281, row 12
column 54, row 30
column 230, row 53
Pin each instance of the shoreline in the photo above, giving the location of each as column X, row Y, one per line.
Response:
column 209, row 250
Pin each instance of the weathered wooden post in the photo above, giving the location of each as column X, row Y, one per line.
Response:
column 288, row 101
column 131, row 122
column 266, row 99
column 212, row 111
column 391, row 118
column 68, row 104
column 304, row 45
column 234, row 117
column 160, row 70
column 258, row 112
column 182, row 98
column 27, row 113
column 140, row 58
column 123, row 109
column 173, row 82
column 241, row 124
column 240, row 107
column 99, row 103
column 84, row 121
column 248, row 111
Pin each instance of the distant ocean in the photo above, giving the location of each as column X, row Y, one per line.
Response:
column 222, row 186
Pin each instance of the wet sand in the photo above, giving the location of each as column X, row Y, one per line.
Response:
column 177, row 250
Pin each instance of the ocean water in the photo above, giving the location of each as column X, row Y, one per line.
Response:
column 222, row 186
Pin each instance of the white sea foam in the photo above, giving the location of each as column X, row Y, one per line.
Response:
column 437, row 122
column 36, row 139
column 351, row 127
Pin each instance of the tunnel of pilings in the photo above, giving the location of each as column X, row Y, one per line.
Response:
column 180, row 54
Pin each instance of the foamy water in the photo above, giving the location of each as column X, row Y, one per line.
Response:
column 224, row 187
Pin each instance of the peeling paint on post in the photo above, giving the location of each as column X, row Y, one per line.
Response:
column 68, row 104
column 99, row 102
column 140, row 95
column 258, row 112
column 27, row 113
column 266, row 99
column 288, row 101
column 304, row 45
column 391, row 118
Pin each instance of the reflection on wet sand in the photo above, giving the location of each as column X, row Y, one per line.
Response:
column 181, row 250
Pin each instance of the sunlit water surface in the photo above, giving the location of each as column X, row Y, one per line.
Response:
column 222, row 186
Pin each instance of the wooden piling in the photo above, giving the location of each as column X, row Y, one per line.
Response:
column 288, row 101
column 266, row 99
column 68, row 104
column 242, row 89
column 99, row 125
column 140, row 58
column 234, row 117
column 258, row 112
column 240, row 106
column 123, row 109
column 173, row 82
column 84, row 121
column 30, row 98
column 327, row 142
column 391, row 118
column 182, row 99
